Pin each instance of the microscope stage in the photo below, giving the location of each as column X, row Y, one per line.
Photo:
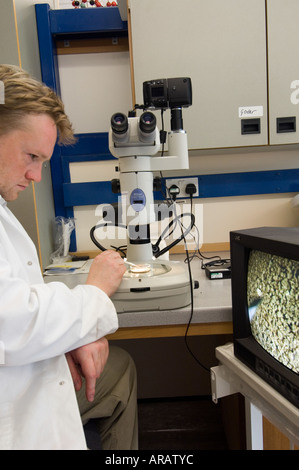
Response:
column 163, row 285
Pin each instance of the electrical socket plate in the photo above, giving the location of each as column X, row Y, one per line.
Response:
column 182, row 184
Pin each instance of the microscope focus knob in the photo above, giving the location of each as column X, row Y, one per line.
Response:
column 115, row 186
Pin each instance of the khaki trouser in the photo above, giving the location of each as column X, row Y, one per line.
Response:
column 114, row 408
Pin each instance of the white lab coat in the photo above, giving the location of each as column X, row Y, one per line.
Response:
column 38, row 323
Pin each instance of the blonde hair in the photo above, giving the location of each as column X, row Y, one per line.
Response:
column 25, row 95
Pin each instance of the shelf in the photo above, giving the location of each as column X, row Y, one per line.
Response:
column 86, row 21
column 91, row 46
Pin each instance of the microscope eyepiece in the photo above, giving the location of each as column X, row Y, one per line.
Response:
column 119, row 123
column 147, row 122
column 147, row 127
column 120, row 128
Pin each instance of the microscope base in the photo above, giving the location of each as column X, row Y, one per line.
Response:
column 167, row 290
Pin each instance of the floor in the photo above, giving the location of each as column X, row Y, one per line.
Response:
column 180, row 424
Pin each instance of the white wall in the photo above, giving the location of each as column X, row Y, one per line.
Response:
column 25, row 13
column 93, row 87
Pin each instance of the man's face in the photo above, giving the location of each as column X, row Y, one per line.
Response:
column 23, row 153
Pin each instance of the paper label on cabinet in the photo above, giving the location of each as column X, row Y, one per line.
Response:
column 251, row 111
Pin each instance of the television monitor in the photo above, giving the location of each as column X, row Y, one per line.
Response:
column 265, row 304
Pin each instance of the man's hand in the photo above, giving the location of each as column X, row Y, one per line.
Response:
column 88, row 361
column 106, row 271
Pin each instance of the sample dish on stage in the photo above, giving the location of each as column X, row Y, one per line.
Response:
column 146, row 270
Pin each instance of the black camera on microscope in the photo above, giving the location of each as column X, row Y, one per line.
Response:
column 169, row 93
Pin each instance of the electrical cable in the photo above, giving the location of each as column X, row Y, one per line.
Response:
column 218, row 262
column 192, row 311
column 120, row 249
column 190, row 320
column 188, row 260
column 183, row 236
column 175, row 242
column 105, row 224
column 216, row 258
column 156, row 250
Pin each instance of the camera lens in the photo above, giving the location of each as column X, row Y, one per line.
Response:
column 119, row 123
column 147, row 122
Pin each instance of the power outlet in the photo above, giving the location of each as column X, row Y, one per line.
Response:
column 181, row 183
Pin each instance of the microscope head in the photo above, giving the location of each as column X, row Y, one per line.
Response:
column 129, row 136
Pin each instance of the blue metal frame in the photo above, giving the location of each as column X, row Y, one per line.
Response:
column 221, row 185
column 91, row 147
column 249, row 183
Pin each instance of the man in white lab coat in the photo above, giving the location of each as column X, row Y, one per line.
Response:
column 52, row 336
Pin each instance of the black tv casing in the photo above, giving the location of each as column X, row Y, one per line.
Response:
column 279, row 241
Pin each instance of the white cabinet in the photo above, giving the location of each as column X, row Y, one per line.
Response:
column 283, row 50
column 9, row 53
column 222, row 47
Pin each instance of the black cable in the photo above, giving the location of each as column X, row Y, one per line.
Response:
column 218, row 262
column 187, row 260
column 192, row 311
column 183, row 236
column 157, row 252
column 175, row 242
column 93, row 229
column 120, row 249
column 162, row 133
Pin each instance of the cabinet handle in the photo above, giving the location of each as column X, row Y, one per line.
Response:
column 286, row 124
column 250, row 126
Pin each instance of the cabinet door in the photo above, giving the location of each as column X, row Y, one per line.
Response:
column 221, row 46
column 283, row 46
column 9, row 47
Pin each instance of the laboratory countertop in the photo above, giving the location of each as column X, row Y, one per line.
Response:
column 212, row 300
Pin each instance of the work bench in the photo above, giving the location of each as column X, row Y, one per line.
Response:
column 211, row 315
